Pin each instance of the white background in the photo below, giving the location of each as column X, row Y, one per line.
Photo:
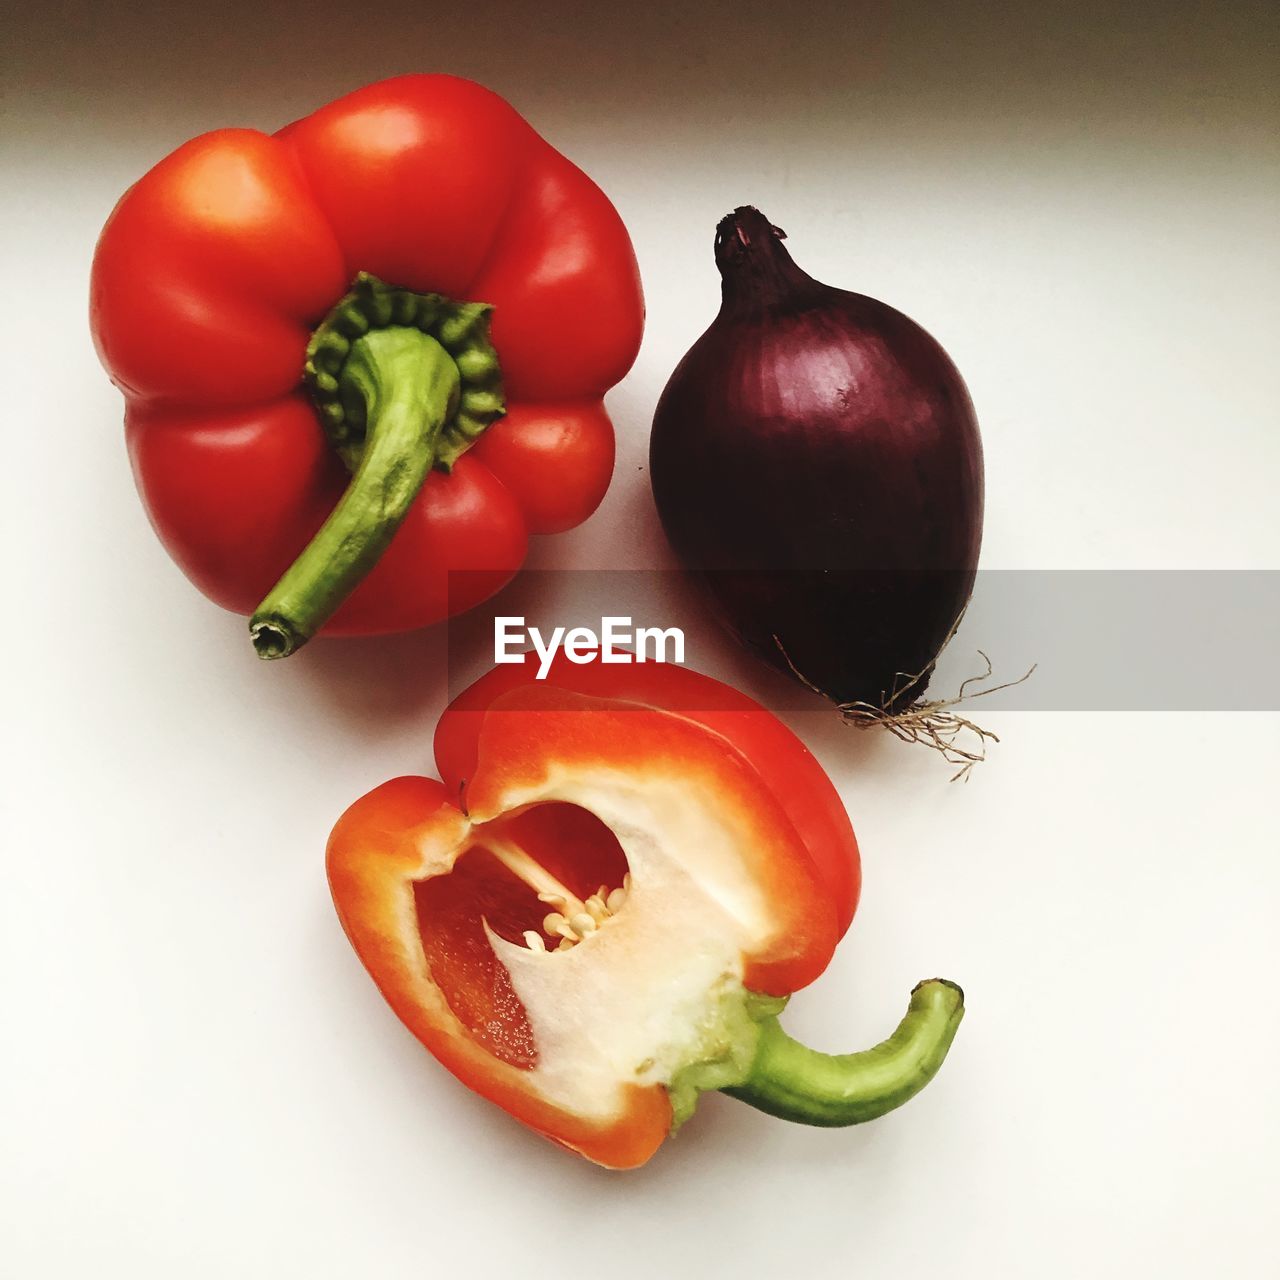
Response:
column 199, row 1081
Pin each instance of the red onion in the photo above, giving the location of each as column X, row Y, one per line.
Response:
column 817, row 465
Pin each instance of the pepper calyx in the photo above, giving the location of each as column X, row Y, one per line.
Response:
column 461, row 328
column 723, row 1050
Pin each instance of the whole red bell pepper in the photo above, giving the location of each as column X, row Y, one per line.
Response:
column 420, row 258
column 598, row 912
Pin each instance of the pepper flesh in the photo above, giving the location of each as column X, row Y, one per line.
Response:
column 215, row 267
column 781, row 761
column 728, row 896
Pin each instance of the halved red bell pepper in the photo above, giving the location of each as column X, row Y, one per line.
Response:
column 599, row 911
column 421, row 258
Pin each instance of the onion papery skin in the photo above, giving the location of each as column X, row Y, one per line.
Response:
column 817, row 466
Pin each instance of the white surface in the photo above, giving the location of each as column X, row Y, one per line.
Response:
column 198, row 1079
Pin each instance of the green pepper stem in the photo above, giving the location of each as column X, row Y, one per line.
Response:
column 405, row 387
column 796, row 1083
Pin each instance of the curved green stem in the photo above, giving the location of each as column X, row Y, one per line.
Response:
column 793, row 1082
column 404, row 385
column 402, row 382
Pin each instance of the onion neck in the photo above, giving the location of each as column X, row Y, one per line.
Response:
column 756, row 271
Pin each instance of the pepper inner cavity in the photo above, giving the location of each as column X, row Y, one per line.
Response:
column 572, row 863
column 567, row 849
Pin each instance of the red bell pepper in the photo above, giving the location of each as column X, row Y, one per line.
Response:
column 220, row 277
column 598, row 912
